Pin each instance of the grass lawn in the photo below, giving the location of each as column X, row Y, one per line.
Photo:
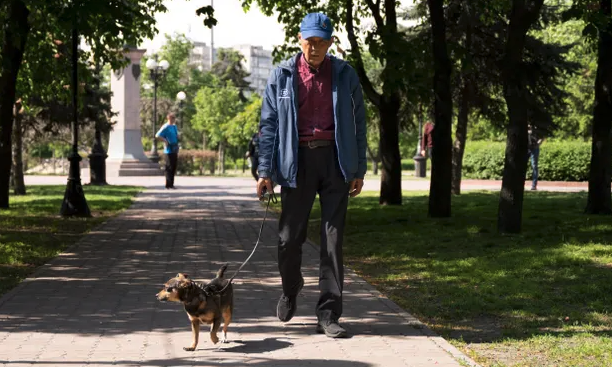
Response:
column 32, row 231
column 542, row 298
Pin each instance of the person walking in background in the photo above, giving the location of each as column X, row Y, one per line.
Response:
column 169, row 134
column 253, row 154
column 427, row 142
column 533, row 144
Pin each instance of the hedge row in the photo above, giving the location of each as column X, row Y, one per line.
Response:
column 559, row 161
column 195, row 162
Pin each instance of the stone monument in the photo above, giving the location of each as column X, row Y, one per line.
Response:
column 126, row 155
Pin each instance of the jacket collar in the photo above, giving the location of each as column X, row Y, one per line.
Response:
column 290, row 64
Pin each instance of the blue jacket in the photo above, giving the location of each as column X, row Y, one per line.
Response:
column 279, row 140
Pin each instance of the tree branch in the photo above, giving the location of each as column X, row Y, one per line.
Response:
column 375, row 8
column 391, row 15
column 373, row 157
column 368, row 88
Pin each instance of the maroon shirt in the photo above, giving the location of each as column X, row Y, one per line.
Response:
column 427, row 141
column 315, row 103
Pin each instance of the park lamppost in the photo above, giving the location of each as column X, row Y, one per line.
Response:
column 180, row 96
column 97, row 158
column 420, row 161
column 74, row 203
column 158, row 72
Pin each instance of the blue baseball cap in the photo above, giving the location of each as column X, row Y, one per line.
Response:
column 316, row 25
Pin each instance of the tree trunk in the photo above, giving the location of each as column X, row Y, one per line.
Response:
column 510, row 212
column 391, row 177
column 464, row 108
column 13, row 45
column 441, row 160
column 18, row 181
column 460, row 137
column 387, row 104
column 222, row 158
column 600, row 175
column 375, row 159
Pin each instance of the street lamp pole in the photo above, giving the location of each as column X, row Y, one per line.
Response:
column 419, row 160
column 420, row 141
column 74, row 203
column 180, row 96
column 97, row 158
column 158, row 72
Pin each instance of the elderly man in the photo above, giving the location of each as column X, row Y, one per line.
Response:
column 169, row 134
column 313, row 140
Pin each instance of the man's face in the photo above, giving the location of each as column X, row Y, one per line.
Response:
column 314, row 49
column 171, row 119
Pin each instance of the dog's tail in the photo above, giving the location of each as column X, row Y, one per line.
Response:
column 221, row 271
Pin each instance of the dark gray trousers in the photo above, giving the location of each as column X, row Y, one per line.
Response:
column 318, row 172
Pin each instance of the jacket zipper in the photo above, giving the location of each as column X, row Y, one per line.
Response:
column 354, row 117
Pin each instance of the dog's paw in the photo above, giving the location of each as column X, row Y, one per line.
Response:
column 189, row 349
column 214, row 339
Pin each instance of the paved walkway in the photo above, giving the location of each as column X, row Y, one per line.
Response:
column 95, row 304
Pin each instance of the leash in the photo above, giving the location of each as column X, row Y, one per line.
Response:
column 271, row 198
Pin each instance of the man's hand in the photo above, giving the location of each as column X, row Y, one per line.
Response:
column 356, row 186
column 264, row 183
column 423, row 152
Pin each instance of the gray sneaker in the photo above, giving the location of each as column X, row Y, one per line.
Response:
column 287, row 305
column 331, row 328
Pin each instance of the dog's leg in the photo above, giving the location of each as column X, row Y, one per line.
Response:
column 195, row 329
column 214, row 328
column 227, row 318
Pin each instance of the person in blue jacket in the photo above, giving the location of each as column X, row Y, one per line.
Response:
column 169, row 134
column 313, row 140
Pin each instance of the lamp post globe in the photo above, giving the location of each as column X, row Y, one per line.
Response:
column 180, row 96
column 151, row 64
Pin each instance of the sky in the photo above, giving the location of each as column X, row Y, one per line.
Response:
column 234, row 26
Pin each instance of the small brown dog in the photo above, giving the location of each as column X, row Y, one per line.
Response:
column 203, row 303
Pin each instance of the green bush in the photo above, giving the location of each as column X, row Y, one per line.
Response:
column 194, row 162
column 483, row 160
column 559, row 161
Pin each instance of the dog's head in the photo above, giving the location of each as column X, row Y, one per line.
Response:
column 176, row 289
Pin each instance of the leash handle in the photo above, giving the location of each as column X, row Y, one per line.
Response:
column 271, row 198
column 265, row 193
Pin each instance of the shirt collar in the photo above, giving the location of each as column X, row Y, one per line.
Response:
column 305, row 66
